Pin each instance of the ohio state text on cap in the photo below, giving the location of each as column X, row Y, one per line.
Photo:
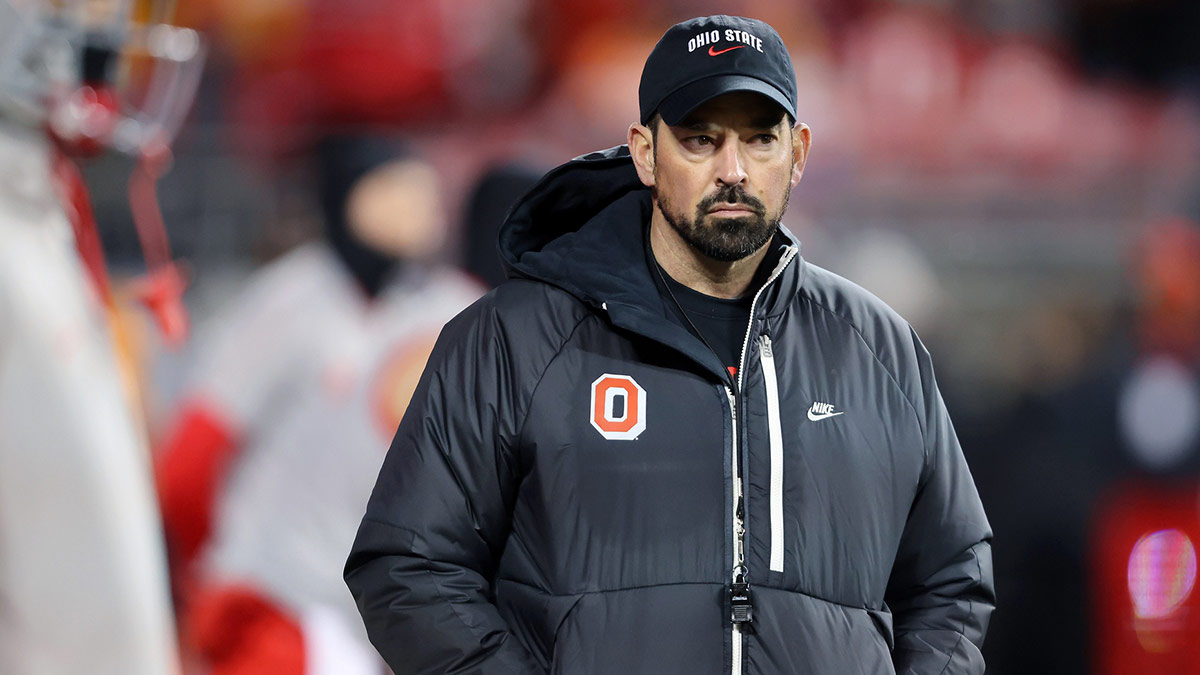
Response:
column 702, row 58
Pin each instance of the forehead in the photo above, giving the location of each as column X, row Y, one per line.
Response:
column 736, row 109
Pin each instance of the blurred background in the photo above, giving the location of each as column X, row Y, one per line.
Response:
column 1021, row 180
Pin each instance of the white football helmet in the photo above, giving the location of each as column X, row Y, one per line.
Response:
column 98, row 73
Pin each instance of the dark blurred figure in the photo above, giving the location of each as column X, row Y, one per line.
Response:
column 299, row 385
column 494, row 194
column 1041, row 465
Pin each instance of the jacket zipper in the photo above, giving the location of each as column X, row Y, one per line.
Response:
column 775, row 437
column 740, row 575
column 739, row 530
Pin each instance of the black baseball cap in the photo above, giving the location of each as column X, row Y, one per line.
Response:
column 705, row 57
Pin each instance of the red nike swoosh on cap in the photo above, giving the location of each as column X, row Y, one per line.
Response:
column 729, row 49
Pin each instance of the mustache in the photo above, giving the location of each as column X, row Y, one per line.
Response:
column 730, row 194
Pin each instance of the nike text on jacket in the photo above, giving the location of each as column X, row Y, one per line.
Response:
column 577, row 480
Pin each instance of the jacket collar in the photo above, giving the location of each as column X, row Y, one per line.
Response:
column 576, row 230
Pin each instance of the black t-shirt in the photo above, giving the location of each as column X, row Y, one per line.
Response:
column 721, row 322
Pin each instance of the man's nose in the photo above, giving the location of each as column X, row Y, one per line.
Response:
column 730, row 168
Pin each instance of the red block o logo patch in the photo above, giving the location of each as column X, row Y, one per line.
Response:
column 618, row 407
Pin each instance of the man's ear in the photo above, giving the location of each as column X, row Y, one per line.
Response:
column 641, row 149
column 801, row 142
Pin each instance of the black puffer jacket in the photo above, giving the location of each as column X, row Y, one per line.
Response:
column 561, row 495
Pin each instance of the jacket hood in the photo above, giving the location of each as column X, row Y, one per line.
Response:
column 574, row 229
column 564, row 230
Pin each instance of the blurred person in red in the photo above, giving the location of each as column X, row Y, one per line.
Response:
column 83, row 576
column 299, row 384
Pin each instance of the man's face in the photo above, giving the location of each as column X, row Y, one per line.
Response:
column 722, row 176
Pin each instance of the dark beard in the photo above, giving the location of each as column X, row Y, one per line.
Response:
column 724, row 239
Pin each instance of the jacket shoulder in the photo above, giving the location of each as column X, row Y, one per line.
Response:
column 528, row 308
column 521, row 298
column 890, row 338
column 870, row 316
column 527, row 318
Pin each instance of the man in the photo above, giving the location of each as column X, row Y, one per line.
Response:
column 603, row 472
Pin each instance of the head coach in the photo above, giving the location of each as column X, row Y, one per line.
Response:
column 668, row 444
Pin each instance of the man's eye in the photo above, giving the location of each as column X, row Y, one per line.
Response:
column 764, row 139
column 700, row 140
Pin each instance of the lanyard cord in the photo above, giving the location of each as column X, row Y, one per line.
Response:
column 688, row 319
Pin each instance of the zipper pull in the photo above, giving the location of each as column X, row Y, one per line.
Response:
column 764, row 341
column 741, row 601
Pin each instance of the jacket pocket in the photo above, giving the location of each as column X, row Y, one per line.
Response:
column 652, row 630
column 800, row 633
column 534, row 616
